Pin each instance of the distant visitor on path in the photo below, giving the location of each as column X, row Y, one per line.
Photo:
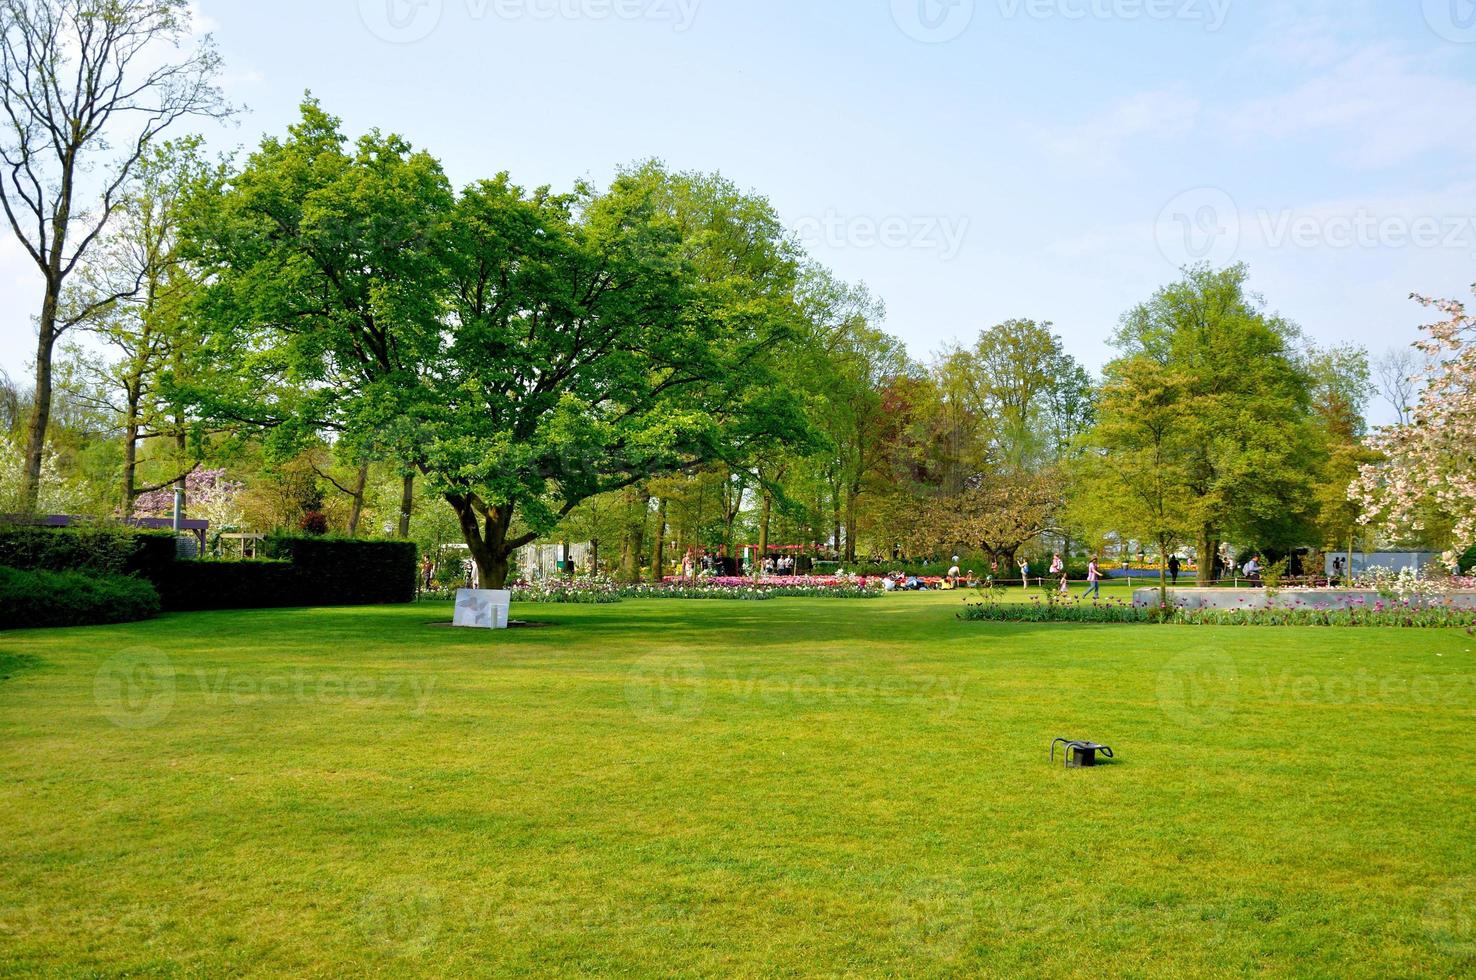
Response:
column 1025, row 571
column 1174, row 567
column 1094, row 580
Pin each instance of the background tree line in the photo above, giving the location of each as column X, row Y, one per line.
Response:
column 651, row 366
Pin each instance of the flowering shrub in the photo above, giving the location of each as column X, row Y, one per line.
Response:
column 313, row 522
column 1406, row 584
column 1427, row 462
column 208, row 495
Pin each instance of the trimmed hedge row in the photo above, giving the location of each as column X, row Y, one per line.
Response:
column 32, row 599
column 301, row 572
column 199, row 586
column 106, row 549
column 306, row 571
column 348, row 572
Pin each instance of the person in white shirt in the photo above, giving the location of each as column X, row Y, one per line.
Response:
column 955, row 571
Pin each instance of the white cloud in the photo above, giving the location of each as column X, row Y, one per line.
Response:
column 1387, row 108
column 1100, row 142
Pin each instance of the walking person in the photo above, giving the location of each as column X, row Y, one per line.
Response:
column 1025, row 571
column 1174, row 567
column 1094, row 580
column 1058, row 567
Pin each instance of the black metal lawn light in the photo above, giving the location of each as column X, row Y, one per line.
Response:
column 1079, row 754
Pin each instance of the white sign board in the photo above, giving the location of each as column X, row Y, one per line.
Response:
column 482, row 609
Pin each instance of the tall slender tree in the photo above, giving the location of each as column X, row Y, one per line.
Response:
column 84, row 96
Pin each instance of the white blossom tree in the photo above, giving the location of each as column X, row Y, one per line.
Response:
column 1430, row 460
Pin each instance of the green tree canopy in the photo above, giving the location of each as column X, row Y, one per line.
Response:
column 525, row 350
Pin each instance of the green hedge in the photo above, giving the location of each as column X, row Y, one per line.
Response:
column 106, row 549
column 298, row 572
column 308, row 571
column 349, row 572
column 197, row 586
column 30, row 599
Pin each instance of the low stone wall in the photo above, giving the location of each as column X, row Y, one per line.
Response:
column 1285, row 599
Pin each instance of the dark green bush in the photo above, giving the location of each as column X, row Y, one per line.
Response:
column 31, row 598
column 107, row 549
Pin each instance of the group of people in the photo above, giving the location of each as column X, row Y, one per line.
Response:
column 783, row 565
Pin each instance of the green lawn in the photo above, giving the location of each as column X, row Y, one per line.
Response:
column 785, row 787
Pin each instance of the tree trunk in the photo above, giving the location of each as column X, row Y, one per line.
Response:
column 766, row 514
column 658, row 547
column 1163, row 585
column 486, row 537
column 357, row 512
column 36, row 426
column 1208, row 549
column 130, row 454
column 407, row 504
column 852, row 494
column 633, row 542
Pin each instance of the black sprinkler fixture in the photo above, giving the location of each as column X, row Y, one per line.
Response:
column 1078, row 754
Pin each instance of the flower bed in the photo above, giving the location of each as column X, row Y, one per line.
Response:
column 576, row 591
column 771, row 582
column 749, row 591
column 1396, row 614
column 601, row 591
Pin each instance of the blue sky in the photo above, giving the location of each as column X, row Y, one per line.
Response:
column 971, row 160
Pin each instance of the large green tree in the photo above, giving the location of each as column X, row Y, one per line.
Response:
column 1139, row 458
column 1252, row 453
column 526, row 350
